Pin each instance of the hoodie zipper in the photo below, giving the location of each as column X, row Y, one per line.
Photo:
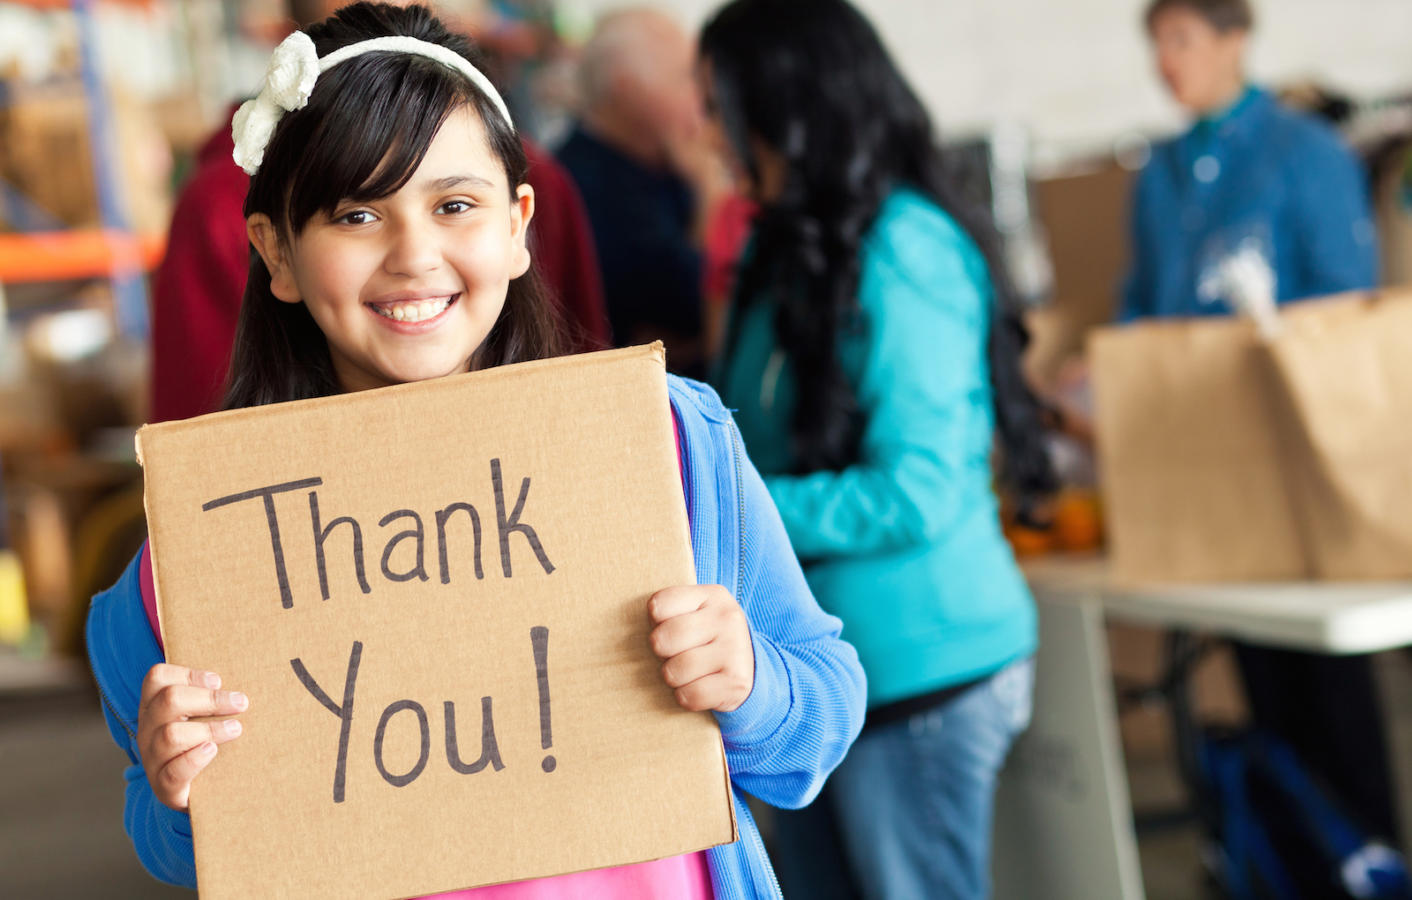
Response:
column 739, row 517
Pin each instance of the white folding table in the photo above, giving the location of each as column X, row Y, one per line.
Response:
column 1063, row 818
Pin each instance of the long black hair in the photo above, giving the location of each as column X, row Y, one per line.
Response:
column 367, row 126
column 813, row 82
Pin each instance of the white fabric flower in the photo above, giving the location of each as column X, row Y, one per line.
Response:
column 289, row 79
column 293, row 69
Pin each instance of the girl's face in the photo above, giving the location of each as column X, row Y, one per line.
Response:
column 406, row 287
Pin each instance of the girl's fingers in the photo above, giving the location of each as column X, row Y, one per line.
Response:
column 675, row 601
column 174, row 780
column 183, row 701
column 680, row 634
column 165, row 675
column 720, row 692
column 684, row 668
column 175, row 738
column 692, row 616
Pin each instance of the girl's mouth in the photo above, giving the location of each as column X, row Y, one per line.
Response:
column 415, row 311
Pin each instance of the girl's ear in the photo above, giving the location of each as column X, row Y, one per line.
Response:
column 267, row 243
column 521, row 211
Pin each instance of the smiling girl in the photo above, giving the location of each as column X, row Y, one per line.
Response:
column 387, row 214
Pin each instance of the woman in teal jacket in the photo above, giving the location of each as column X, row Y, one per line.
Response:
column 872, row 360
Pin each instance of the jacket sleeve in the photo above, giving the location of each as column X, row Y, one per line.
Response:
column 923, row 390
column 1336, row 241
column 121, row 649
column 806, row 706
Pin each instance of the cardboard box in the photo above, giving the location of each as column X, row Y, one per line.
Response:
column 1085, row 217
column 46, row 153
column 1227, row 457
column 435, row 596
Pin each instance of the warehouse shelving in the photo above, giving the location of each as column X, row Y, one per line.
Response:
column 115, row 250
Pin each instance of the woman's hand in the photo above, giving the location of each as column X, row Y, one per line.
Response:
column 173, row 748
column 703, row 638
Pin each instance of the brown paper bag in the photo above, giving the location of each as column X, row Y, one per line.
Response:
column 1345, row 371
column 1193, row 473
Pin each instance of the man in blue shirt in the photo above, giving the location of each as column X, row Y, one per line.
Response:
column 1248, row 173
column 1251, row 175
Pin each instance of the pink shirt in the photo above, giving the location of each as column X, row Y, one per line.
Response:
column 684, row 877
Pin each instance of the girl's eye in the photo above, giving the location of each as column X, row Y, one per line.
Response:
column 355, row 217
column 452, row 207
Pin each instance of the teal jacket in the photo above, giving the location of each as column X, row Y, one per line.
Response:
column 905, row 544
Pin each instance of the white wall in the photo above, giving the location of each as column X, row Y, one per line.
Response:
column 1078, row 72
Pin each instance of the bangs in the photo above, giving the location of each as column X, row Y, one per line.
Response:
column 366, row 129
column 382, row 113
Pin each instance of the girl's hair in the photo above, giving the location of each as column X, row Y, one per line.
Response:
column 1222, row 15
column 814, row 83
column 364, row 132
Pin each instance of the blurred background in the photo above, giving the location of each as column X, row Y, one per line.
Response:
column 1047, row 110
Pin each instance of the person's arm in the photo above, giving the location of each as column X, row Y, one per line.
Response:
column 160, row 835
column 121, row 649
column 806, row 705
column 197, row 292
column 924, row 388
column 1336, row 242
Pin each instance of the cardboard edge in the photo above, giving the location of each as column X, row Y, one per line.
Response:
column 151, row 542
column 152, row 560
column 654, row 352
column 730, row 791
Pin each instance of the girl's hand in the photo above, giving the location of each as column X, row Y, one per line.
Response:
column 173, row 748
column 704, row 639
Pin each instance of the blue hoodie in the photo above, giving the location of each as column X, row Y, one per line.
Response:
column 801, row 717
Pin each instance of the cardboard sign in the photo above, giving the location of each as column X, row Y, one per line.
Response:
column 435, row 596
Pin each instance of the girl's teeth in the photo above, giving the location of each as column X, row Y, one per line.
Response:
column 414, row 312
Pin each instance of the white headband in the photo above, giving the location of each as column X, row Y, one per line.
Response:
column 295, row 66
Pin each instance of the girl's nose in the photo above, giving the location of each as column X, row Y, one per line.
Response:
column 412, row 250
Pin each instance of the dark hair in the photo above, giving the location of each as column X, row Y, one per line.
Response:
column 1222, row 15
column 814, row 83
column 305, row 12
column 364, row 132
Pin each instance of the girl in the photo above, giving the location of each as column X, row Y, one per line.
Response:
column 873, row 355
column 387, row 211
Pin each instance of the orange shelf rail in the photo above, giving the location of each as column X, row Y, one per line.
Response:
column 79, row 253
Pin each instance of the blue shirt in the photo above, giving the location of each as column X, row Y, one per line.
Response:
column 1258, row 173
column 904, row 545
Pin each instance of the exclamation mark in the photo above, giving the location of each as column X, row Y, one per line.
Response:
column 539, row 637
